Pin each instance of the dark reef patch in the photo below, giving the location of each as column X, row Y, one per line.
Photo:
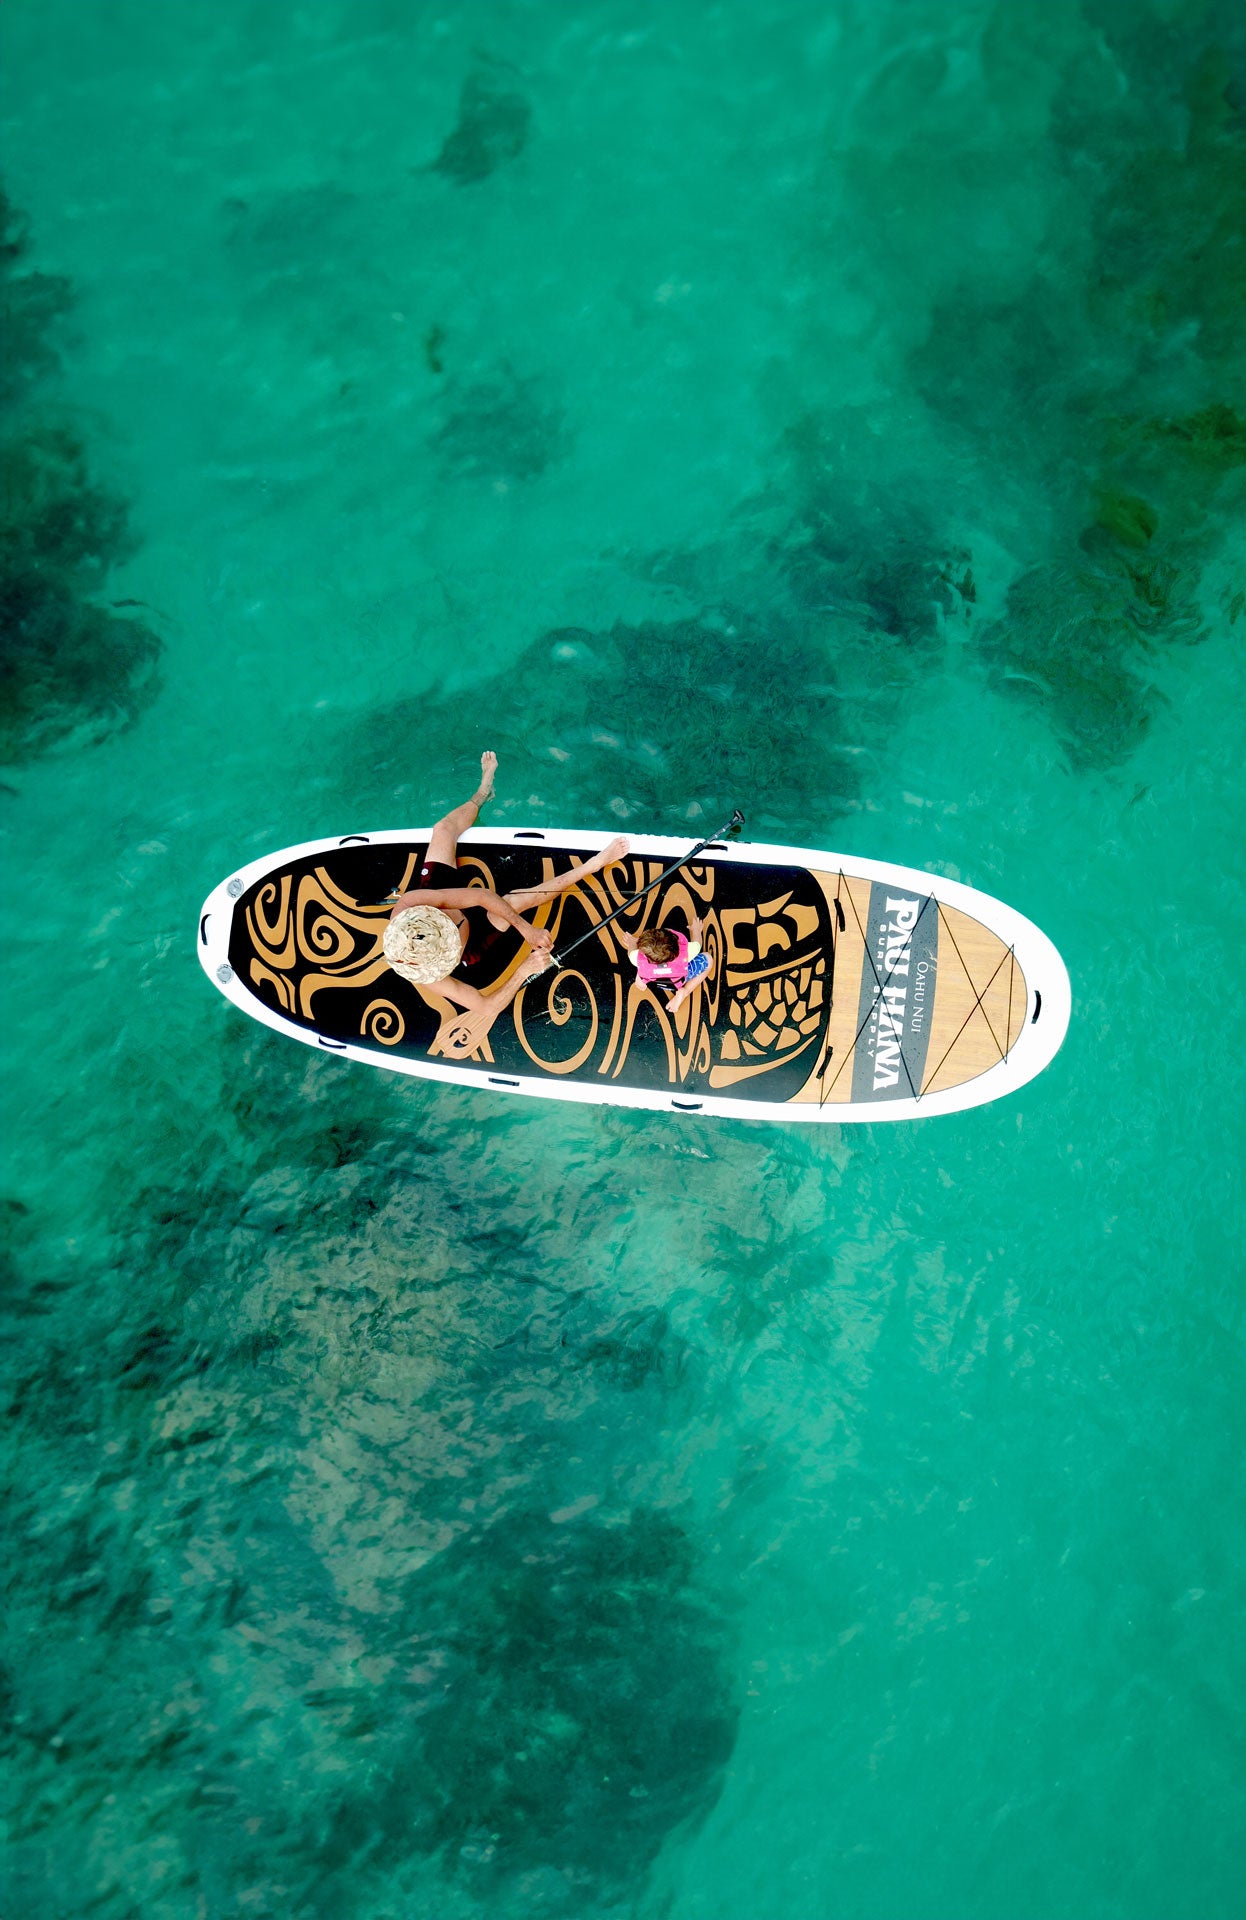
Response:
column 650, row 719
column 261, row 1569
column 434, row 348
column 1139, row 301
column 807, row 626
column 492, row 127
column 31, row 305
column 857, row 553
column 635, row 1349
column 289, row 233
column 986, row 364
column 1169, row 220
column 70, row 669
column 573, row 1702
column 1214, row 436
column 1082, row 633
column 501, row 429
column 1068, row 644
column 14, row 1229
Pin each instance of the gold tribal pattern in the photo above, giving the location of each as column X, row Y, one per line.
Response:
column 310, row 949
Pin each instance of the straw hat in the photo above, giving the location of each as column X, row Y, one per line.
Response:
column 423, row 945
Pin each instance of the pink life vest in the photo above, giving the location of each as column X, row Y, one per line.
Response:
column 671, row 973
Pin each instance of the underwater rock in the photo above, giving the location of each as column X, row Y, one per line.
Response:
column 1126, row 517
column 492, row 127
column 156, row 1359
column 69, row 668
column 854, row 549
column 28, row 1287
column 638, row 1347
column 262, row 1536
column 53, row 519
column 501, row 429
column 434, row 342
column 904, row 594
column 744, row 710
column 295, row 1117
column 1139, row 299
column 1169, row 216
column 985, row 364
column 309, row 279
column 302, row 228
column 1079, row 633
column 1068, row 644
column 1213, row 437
column 30, row 306
column 1212, row 440
column 573, row 1698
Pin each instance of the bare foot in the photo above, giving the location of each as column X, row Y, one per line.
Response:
column 609, row 856
column 488, row 767
column 524, row 898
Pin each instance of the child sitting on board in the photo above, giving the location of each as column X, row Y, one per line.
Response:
column 670, row 960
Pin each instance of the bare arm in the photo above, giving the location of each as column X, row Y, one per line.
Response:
column 689, row 987
column 482, row 1009
column 474, row 1001
column 629, row 942
column 461, row 995
column 461, row 898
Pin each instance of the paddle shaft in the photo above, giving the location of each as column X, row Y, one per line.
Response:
column 736, row 820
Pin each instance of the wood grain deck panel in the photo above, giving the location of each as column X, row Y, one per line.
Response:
column 980, row 1004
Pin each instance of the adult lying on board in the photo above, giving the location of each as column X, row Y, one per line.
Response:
column 440, row 931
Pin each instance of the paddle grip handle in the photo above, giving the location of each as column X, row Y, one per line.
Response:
column 731, row 826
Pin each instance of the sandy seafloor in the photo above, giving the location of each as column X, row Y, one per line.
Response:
column 422, row 1504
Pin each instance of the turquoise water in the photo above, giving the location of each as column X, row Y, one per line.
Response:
column 427, row 1505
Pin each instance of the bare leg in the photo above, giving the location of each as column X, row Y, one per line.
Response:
column 526, row 897
column 444, row 841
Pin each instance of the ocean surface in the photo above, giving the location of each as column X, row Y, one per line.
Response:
column 427, row 1506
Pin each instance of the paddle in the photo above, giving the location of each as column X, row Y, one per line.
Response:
column 732, row 826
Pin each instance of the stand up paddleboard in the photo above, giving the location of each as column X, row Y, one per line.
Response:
column 841, row 989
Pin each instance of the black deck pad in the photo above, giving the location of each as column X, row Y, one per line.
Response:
column 306, row 942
